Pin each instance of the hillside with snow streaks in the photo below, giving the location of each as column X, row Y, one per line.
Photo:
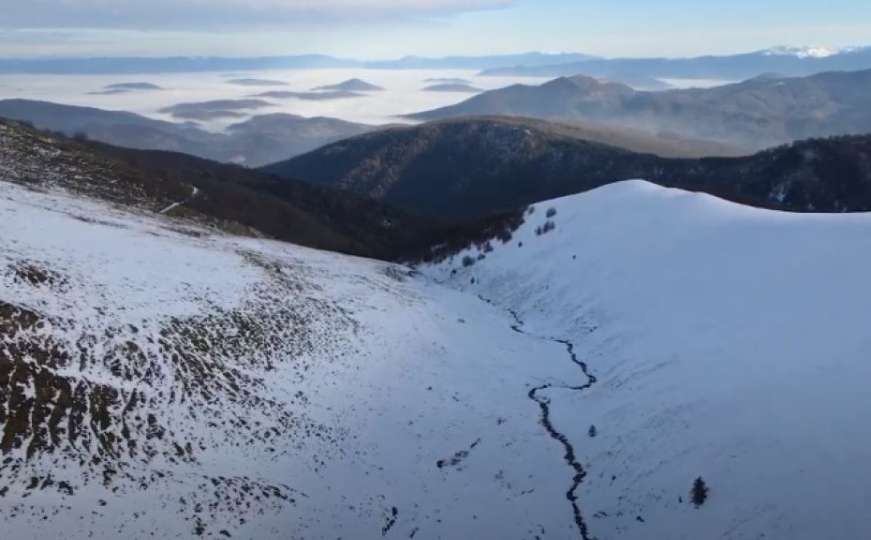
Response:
column 157, row 377
column 727, row 342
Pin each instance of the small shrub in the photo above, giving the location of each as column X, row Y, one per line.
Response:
column 551, row 212
column 593, row 431
column 546, row 228
column 468, row 261
column 699, row 492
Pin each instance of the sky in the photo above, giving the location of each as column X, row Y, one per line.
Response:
column 374, row 29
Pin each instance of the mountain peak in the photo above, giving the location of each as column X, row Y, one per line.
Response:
column 803, row 52
column 351, row 85
column 586, row 84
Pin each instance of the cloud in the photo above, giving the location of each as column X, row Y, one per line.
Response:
column 157, row 14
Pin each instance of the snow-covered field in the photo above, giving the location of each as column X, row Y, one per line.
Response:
column 161, row 379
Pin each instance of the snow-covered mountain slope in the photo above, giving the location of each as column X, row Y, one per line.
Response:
column 161, row 379
column 726, row 342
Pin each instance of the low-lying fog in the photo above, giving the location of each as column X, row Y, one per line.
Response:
column 403, row 92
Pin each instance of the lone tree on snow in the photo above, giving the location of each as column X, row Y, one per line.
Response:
column 699, row 493
column 593, row 431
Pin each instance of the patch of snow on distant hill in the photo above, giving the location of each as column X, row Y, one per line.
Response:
column 804, row 52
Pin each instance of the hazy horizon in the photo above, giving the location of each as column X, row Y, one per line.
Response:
column 824, row 48
column 387, row 29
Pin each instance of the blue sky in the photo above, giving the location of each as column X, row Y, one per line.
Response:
column 390, row 28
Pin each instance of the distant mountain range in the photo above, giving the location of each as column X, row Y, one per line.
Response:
column 184, row 64
column 465, row 169
column 258, row 141
column 755, row 114
column 479, row 62
column 783, row 60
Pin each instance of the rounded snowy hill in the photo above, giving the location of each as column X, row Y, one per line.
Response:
column 728, row 343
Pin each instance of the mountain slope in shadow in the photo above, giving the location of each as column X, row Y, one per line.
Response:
column 465, row 169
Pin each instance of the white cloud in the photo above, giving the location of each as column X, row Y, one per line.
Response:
column 211, row 13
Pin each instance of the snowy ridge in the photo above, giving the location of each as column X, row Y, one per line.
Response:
column 728, row 342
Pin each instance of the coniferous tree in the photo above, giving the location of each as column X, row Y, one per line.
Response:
column 699, row 492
